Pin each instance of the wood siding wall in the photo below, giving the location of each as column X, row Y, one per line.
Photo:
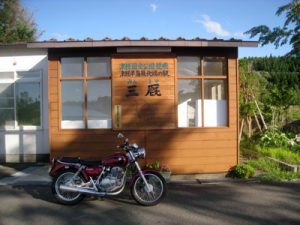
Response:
column 184, row 150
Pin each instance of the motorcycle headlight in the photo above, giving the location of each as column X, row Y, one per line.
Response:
column 141, row 153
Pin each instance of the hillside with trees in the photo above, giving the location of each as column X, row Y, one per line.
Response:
column 269, row 116
column 269, row 92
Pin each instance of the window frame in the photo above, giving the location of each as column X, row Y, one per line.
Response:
column 16, row 81
column 85, row 78
column 202, row 78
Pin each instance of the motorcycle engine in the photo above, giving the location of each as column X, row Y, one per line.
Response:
column 112, row 179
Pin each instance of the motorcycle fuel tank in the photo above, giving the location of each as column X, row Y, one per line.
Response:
column 118, row 159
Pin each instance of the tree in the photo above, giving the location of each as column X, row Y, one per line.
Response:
column 288, row 33
column 252, row 86
column 274, row 84
column 16, row 25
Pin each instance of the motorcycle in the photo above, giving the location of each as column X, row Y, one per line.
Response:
column 73, row 178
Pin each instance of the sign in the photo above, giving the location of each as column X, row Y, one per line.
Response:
column 159, row 69
column 149, row 70
column 143, row 93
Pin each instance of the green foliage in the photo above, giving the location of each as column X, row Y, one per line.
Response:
column 288, row 33
column 242, row 171
column 277, row 90
column 271, row 171
column 156, row 165
column 274, row 138
column 283, row 154
column 15, row 23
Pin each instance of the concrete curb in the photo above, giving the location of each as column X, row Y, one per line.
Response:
column 33, row 175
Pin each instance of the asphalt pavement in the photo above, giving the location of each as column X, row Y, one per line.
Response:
column 26, row 198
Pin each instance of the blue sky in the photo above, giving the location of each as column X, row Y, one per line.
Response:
column 79, row 19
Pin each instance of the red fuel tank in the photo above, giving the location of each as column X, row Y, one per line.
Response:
column 118, row 159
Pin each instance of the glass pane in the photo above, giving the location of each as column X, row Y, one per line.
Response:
column 72, row 67
column 7, row 119
column 72, row 98
column 6, row 75
column 28, row 74
column 98, row 66
column 6, row 102
column 6, row 90
column 215, row 66
column 215, row 89
column 28, row 104
column 99, row 104
column 189, row 103
column 188, row 65
column 215, row 103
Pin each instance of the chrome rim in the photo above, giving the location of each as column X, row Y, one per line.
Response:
column 64, row 179
column 155, row 185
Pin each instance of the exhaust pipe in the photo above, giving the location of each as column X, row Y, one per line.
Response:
column 81, row 190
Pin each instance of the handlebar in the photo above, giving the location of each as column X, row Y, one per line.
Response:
column 126, row 144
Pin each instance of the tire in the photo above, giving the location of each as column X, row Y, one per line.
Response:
column 66, row 197
column 141, row 196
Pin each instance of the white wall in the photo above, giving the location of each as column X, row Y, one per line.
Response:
column 21, row 145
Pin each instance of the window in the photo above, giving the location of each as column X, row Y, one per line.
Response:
column 20, row 102
column 202, row 91
column 189, row 66
column 86, row 93
column 72, row 67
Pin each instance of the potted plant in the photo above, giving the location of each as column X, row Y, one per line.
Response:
column 163, row 169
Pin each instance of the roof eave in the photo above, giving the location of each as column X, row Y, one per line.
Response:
column 141, row 43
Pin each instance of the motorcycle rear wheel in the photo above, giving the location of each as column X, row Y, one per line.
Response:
column 157, row 185
column 66, row 197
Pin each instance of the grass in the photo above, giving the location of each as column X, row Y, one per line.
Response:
column 282, row 154
column 271, row 172
column 252, row 150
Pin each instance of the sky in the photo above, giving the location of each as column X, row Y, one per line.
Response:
column 97, row 19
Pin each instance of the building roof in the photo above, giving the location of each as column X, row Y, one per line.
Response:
column 143, row 42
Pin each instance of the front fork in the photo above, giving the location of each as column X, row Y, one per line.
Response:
column 148, row 187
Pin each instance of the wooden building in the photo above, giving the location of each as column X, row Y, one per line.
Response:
column 177, row 98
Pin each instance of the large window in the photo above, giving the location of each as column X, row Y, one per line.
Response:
column 202, row 91
column 86, row 93
column 20, row 99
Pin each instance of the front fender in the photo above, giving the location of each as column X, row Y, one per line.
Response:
column 145, row 170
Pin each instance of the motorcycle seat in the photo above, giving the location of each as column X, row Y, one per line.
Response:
column 70, row 159
column 91, row 162
column 82, row 162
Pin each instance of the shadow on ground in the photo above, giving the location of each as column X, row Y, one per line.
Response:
column 223, row 203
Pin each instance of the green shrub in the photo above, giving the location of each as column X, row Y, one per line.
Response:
column 296, row 148
column 274, row 138
column 242, row 171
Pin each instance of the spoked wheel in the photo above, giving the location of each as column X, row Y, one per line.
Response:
column 151, row 196
column 66, row 197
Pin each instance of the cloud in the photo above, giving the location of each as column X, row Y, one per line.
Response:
column 239, row 34
column 213, row 26
column 153, row 7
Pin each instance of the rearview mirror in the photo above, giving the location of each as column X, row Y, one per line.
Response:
column 120, row 135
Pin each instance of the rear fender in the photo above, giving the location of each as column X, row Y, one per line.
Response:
column 145, row 170
column 57, row 167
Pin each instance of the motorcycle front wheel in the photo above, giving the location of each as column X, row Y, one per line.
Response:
column 142, row 195
column 66, row 197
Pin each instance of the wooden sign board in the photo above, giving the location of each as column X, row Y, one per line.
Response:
column 143, row 90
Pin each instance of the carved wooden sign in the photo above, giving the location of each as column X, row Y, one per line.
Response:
column 144, row 90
